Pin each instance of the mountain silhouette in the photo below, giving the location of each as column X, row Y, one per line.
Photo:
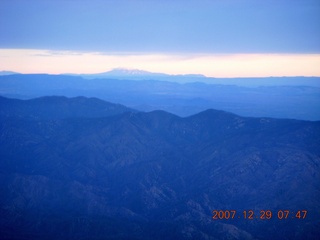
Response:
column 59, row 108
column 84, row 172
column 296, row 98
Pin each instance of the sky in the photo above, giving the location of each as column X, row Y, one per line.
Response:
column 217, row 38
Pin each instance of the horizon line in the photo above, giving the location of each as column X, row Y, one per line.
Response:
column 210, row 65
column 197, row 75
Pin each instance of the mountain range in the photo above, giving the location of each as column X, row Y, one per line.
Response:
column 49, row 108
column 286, row 98
column 82, row 168
column 137, row 74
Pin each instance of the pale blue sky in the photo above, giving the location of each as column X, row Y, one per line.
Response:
column 200, row 26
column 212, row 37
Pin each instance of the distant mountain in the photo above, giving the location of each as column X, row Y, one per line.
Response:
column 155, row 175
column 4, row 73
column 123, row 72
column 299, row 102
column 136, row 74
column 59, row 108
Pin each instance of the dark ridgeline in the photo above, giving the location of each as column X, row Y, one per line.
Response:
column 82, row 168
column 52, row 108
column 294, row 98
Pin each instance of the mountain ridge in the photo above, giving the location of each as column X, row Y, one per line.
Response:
column 151, row 175
column 180, row 99
column 136, row 74
column 59, row 107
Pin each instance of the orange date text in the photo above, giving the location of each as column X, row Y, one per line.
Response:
column 261, row 214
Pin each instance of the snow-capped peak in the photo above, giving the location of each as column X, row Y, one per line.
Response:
column 128, row 72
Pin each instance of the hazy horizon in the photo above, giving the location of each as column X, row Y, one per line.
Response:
column 213, row 38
